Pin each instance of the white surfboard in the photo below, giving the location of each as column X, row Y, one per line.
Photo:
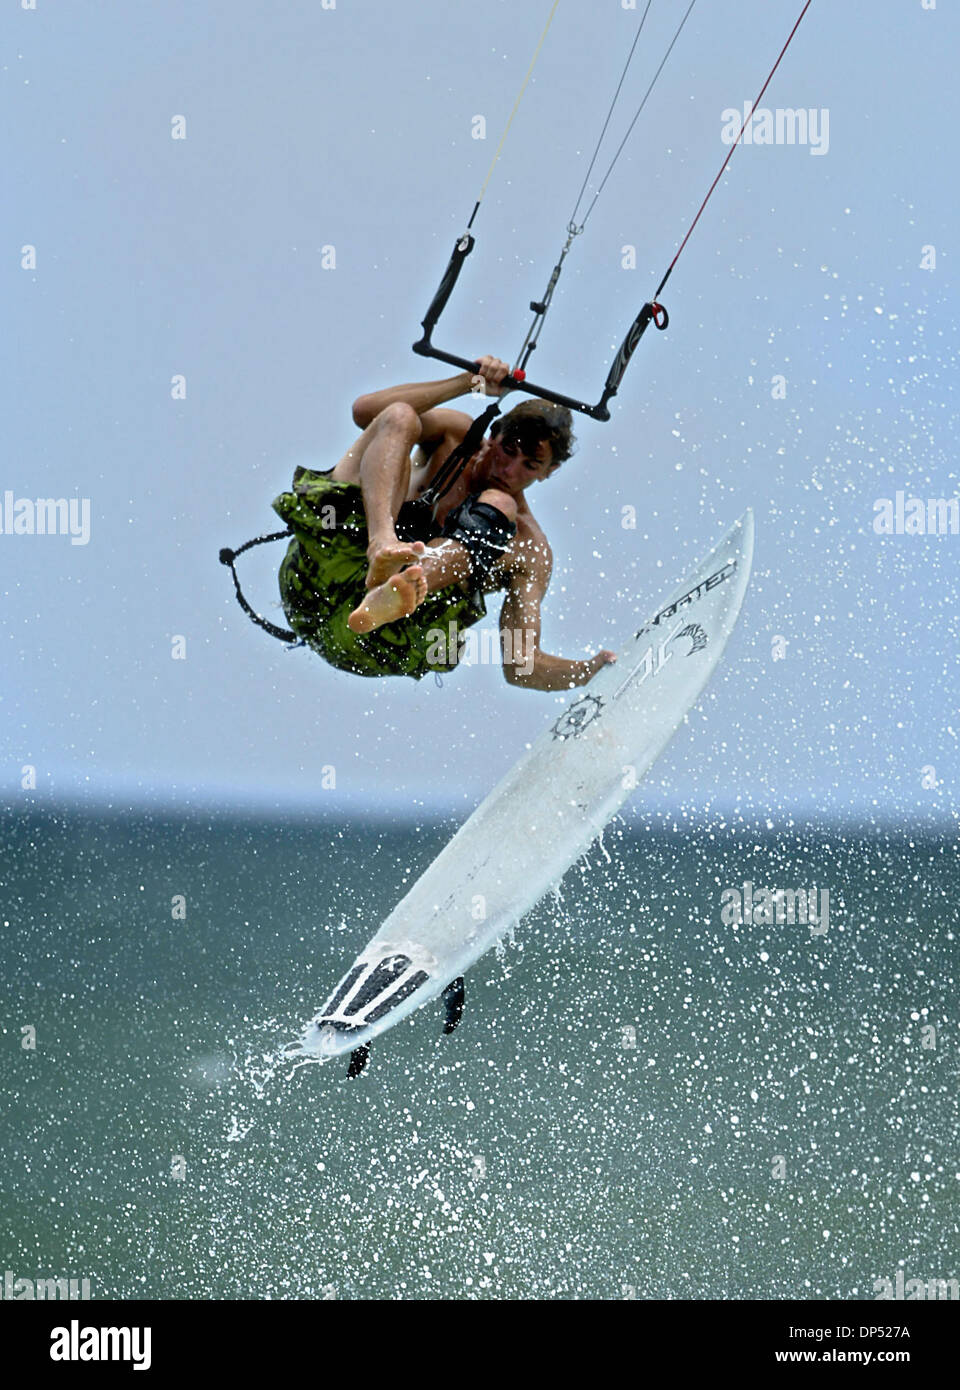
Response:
column 546, row 812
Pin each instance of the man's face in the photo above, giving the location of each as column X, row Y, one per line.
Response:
column 509, row 467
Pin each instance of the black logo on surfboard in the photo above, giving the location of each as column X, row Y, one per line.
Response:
column 697, row 635
column 693, row 596
column 578, row 717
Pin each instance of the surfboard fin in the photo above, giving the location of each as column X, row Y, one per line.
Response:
column 453, row 1004
column 358, row 1060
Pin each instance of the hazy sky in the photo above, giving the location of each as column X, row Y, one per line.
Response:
column 352, row 127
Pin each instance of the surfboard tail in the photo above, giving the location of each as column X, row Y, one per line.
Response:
column 381, row 982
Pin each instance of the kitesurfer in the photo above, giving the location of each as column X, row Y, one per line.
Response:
column 371, row 575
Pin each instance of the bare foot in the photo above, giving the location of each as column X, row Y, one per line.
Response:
column 386, row 560
column 395, row 598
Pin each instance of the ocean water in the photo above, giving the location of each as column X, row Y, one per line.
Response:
column 641, row 1101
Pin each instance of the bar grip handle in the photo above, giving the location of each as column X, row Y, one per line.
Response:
column 651, row 312
column 450, row 276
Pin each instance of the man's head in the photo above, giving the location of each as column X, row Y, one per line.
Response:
column 528, row 444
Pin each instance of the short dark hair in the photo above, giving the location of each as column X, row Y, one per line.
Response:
column 533, row 421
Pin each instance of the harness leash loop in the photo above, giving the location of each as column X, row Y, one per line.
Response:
column 229, row 558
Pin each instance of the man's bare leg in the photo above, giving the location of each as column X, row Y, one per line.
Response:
column 444, row 562
column 380, row 463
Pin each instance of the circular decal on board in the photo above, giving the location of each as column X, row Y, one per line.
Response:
column 578, row 717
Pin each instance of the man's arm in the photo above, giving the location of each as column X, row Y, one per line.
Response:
column 425, row 395
column 524, row 664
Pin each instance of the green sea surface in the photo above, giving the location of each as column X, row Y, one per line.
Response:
column 640, row 1102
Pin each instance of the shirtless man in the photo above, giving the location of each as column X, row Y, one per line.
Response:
column 411, row 418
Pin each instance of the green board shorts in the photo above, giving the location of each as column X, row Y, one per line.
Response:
column 322, row 579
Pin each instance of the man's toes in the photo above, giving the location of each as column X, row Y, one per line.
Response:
column 359, row 621
column 389, row 560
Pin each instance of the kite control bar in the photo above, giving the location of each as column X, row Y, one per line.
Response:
column 650, row 313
